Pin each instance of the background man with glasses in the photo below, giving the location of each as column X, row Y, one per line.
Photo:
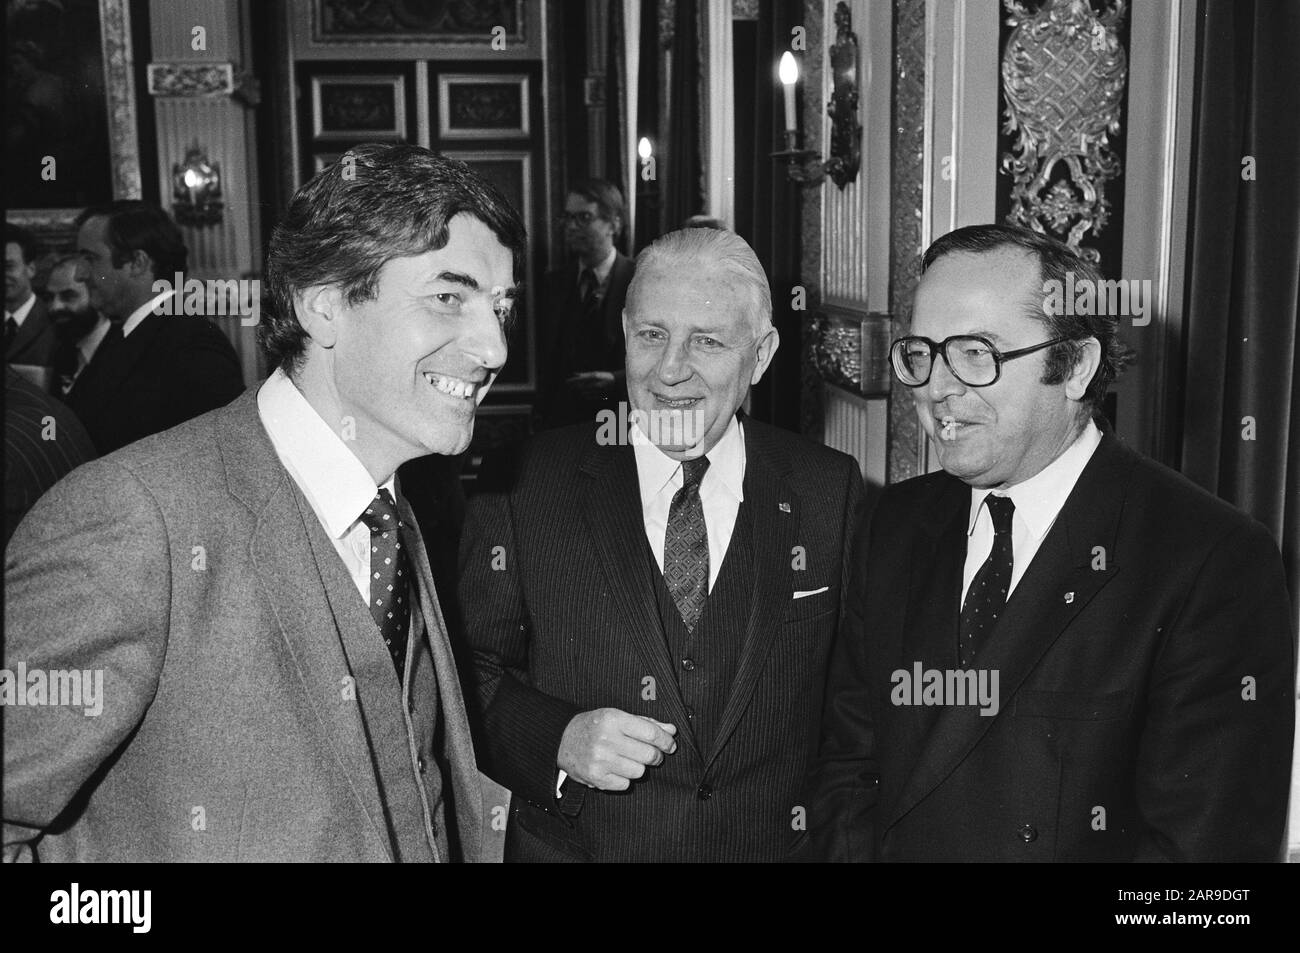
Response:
column 1135, row 629
column 582, row 333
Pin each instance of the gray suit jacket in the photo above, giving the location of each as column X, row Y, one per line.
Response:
column 238, row 716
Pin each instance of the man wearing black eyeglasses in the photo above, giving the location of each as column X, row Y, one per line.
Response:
column 582, row 348
column 1055, row 649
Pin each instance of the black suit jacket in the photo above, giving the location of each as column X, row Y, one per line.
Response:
column 560, row 612
column 1146, row 667
column 169, row 369
column 34, row 343
column 558, row 406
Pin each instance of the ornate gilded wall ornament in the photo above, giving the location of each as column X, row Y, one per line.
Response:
column 1063, row 75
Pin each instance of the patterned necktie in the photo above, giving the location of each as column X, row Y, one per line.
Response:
column 987, row 596
column 389, row 602
column 587, row 286
column 686, row 546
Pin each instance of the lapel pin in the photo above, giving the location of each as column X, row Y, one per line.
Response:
column 784, row 507
column 1069, row 597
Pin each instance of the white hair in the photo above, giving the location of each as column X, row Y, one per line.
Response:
column 693, row 250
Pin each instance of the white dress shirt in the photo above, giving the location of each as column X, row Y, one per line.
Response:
column 142, row 312
column 721, row 491
column 336, row 484
column 1038, row 503
column 24, row 309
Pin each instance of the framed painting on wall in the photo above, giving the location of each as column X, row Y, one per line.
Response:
column 71, row 138
column 481, row 106
column 369, row 108
column 432, row 29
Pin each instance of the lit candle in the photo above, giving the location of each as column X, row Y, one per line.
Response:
column 789, row 72
column 643, row 148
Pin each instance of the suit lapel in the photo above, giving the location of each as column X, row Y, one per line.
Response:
column 774, row 508
column 298, row 599
column 933, row 595
column 31, row 328
column 459, row 749
column 612, row 510
column 620, row 277
column 1056, row 587
column 108, row 373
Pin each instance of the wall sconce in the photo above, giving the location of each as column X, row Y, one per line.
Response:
column 646, row 152
column 196, row 190
column 806, row 165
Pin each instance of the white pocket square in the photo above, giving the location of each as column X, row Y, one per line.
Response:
column 811, row 592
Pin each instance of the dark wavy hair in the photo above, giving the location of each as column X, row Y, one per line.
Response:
column 135, row 226
column 1055, row 261
column 377, row 203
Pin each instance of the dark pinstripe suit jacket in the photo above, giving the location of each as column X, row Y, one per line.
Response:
column 37, row 455
column 560, row 612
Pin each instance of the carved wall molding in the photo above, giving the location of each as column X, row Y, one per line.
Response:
column 907, row 187
column 124, row 144
column 201, row 81
column 1064, row 72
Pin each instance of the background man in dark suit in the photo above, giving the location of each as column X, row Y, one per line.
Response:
column 151, row 371
column 277, row 682
column 1055, row 649
column 29, row 337
column 582, row 371
column 651, row 623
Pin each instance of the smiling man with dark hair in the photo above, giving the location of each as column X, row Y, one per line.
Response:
column 278, row 682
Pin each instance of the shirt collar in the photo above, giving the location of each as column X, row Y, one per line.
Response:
column 1039, row 499
column 24, row 309
column 603, row 269
column 334, row 481
column 657, row 472
column 139, row 314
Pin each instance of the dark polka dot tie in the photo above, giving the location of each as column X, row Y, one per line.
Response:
column 987, row 596
column 389, row 575
column 686, row 546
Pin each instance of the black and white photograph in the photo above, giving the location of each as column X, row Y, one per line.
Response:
column 688, row 432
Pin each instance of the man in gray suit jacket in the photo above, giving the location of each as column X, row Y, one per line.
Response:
column 223, row 640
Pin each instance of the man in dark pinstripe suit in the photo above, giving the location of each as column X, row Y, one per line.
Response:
column 651, row 609
column 43, row 442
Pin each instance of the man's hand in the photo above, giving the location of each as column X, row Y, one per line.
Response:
column 609, row 749
column 591, row 384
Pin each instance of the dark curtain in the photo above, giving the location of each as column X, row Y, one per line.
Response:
column 683, row 188
column 647, row 198
column 1242, row 348
column 616, row 114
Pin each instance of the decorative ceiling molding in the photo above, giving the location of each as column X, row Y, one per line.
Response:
column 201, row 81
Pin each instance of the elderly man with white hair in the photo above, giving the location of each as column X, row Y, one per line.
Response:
column 651, row 607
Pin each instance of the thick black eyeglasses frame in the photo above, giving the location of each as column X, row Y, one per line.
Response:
column 581, row 218
column 941, row 348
